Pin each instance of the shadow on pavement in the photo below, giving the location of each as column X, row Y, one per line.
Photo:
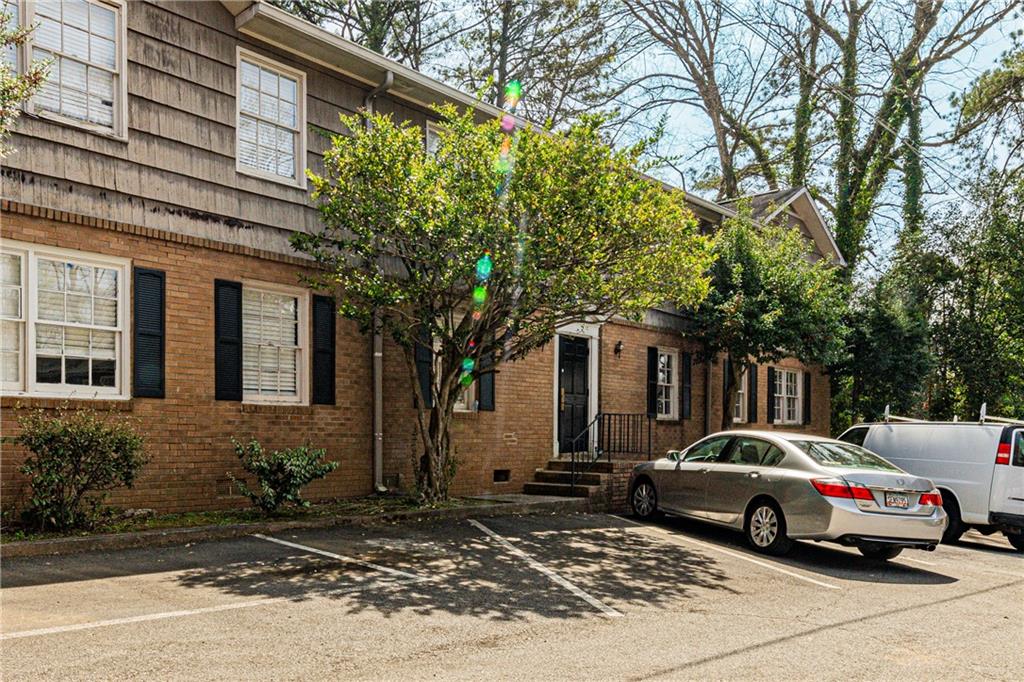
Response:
column 472, row 575
column 824, row 559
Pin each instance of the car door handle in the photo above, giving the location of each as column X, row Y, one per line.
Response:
column 705, row 470
column 753, row 474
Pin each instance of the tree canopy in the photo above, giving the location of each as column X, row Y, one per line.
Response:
column 476, row 253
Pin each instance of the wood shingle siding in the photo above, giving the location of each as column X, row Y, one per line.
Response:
column 178, row 168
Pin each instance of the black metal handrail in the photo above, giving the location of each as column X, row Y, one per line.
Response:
column 609, row 433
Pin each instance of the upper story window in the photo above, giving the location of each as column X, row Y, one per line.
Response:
column 63, row 322
column 271, row 120
column 84, row 40
column 668, row 383
column 787, row 394
column 432, row 138
column 273, row 343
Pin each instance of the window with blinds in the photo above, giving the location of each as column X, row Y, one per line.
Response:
column 62, row 326
column 788, row 392
column 272, row 344
column 270, row 119
column 81, row 40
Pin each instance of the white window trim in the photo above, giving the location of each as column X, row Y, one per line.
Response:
column 299, row 181
column 780, row 414
column 26, row 10
column 30, row 388
column 673, row 413
column 303, row 369
column 742, row 396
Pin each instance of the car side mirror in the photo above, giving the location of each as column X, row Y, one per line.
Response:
column 674, row 455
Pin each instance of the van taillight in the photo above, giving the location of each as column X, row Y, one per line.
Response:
column 1003, row 454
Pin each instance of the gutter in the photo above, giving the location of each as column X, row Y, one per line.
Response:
column 378, row 339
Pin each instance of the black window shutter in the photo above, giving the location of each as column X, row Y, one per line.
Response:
column 227, row 301
column 323, row 350
column 485, row 385
column 150, row 331
column 686, row 408
column 652, row 381
column 752, row 393
column 771, row 396
column 807, row 397
column 425, row 369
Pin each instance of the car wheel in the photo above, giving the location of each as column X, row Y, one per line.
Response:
column 766, row 529
column 880, row 552
column 644, row 499
column 955, row 526
column 1017, row 540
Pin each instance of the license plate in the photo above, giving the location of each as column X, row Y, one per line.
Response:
column 898, row 500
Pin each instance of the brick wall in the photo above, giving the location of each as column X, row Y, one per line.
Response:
column 188, row 432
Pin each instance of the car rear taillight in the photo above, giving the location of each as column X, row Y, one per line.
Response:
column 1003, row 454
column 932, row 499
column 834, row 487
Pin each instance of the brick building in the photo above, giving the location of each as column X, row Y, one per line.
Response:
column 145, row 269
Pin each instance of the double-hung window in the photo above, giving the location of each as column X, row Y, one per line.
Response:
column 432, row 138
column 84, row 42
column 62, row 322
column 271, row 115
column 739, row 408
column 787, row 393
column 668, row 383
column 274, row 343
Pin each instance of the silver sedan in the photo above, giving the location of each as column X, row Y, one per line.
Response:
column 779, row 487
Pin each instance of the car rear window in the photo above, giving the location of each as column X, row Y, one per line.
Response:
column 843, row 455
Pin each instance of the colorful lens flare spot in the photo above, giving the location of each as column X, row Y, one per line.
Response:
column 479, row 295
column 468, row 364
column 466, row 379
column 508, row 124
column 484, row 267
column 513, row 91
column 477, row 315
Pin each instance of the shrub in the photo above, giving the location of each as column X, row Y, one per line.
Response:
column 76, row 456
column 280, row 474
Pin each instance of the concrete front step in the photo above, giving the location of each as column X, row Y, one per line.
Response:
column 550, row 476
column 561, row 489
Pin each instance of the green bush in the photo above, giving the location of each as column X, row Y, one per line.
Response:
column 281, row 474
column 76, row 457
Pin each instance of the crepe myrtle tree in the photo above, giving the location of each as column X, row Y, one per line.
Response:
column 571, row 231
column 768, row 301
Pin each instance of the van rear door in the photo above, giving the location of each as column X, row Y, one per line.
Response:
column 1008, row 477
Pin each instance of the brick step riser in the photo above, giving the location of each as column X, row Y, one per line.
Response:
column 548, row 476
column 561, row 489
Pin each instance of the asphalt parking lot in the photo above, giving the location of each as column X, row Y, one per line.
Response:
column 532, row 597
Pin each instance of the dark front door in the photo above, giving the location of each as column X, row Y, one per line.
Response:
column 572, row 391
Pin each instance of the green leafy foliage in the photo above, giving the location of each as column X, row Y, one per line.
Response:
column 281, row 474
column 15, row 88
column 76, row 456
column 578, row 235
column 768, row 300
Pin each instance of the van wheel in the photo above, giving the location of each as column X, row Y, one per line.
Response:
column 766, row 529
column 955, row 527
column 880, row 552
column 1017, row 540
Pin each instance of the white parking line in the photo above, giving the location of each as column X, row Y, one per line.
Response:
column 164, row 615
column 554, row 577
column 339, row 557
column 918, row 561
column 737, row 555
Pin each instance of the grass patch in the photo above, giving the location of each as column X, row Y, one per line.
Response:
column 362, row 506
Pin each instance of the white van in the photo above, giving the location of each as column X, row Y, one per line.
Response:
column 978, row 467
